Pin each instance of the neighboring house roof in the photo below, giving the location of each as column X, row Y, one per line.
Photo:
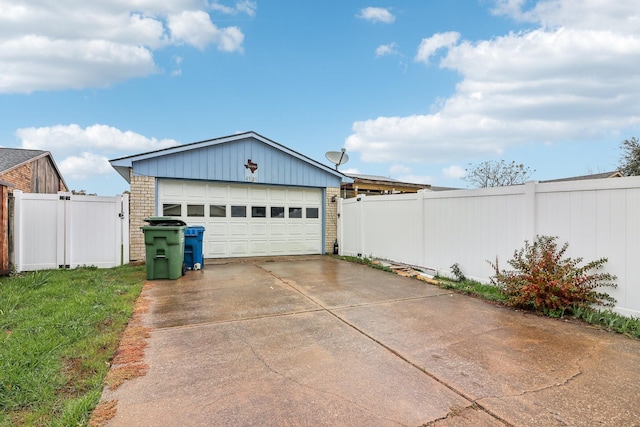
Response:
column 375, row 179
column 370, row 177
column 613, row 174
column 6, row 184
column 434, row 188
column 123, row 164
column 11, row 158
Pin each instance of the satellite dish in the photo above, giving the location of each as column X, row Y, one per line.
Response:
column 337, row 157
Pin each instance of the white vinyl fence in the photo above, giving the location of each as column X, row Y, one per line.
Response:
column 66, row 231
column 434, row 230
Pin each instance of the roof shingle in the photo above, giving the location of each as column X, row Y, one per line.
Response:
column 12, row 157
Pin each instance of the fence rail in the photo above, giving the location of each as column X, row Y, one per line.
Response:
column 434, row 230
column 65, row 231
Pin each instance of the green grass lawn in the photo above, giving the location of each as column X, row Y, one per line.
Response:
column 58, row 332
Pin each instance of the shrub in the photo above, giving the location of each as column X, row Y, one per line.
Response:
column 544, row 280
column 457, row 272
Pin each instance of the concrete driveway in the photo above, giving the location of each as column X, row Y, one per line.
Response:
column 313, row 341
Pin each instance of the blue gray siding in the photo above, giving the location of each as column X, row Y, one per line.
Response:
column 225, row 162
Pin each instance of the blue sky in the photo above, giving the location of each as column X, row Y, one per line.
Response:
column 415, row 90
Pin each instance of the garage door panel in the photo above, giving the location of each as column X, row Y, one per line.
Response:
column 258, row 247
column 289, row 231
column 195, row 191
column 216, row 192
column 217, row 229
column 295, row 246
column 239, row 248
column 171, row 190
column 310, row 244
column 312, row 197
column 296, row 229
column 277, row 247
column 258, row 229
column 295, row 196
column 277, row 230
column 258, row 194
column 216, row 248
column 311, row 229
column 239, row 194
column 277, row 195
column 238, row 230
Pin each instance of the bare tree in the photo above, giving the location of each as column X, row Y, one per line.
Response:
column 630, row 160
column 497, row 174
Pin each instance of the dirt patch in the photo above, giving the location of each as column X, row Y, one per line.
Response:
column 103, row 413
column 128, row 361
column 120, row 374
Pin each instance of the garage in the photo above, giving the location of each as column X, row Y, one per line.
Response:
column 254, row 196
column 247, row 220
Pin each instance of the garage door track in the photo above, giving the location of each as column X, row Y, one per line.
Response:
column 315, row 341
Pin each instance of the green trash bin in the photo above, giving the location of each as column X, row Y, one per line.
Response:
column 164, row 244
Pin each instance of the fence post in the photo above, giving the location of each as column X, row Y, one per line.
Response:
column 361, row 228
column 63, row 230
column 530, row 227
column 17, row 230
column 422, row 234
column 124, row 224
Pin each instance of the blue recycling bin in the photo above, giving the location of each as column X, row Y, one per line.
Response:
column 193, row 237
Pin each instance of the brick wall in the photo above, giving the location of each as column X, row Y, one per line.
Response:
column 20, row 177
column 331, row 220
column 142, row 204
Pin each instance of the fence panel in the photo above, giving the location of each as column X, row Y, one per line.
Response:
column 63, row 230
column 434, row 230
column 37, row 231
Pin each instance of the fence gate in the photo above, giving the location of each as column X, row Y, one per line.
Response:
column 65, row 231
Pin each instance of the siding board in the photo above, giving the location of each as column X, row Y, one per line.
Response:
column 225, row 162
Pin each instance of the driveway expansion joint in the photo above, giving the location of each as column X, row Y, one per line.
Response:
column 301, row 384
column 292, row 283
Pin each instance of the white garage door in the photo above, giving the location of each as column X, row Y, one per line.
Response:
column 247, row 220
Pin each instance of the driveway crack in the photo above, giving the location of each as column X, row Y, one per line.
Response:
column 301, row 384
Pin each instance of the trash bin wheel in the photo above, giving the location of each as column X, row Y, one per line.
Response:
column 184, row 269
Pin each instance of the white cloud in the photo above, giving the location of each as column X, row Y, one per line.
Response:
column 454, row 172
column 405, row 174
column 387, row 49
column 80, row 44
column 67, row 139
column 416, row 179
column 350, row 170
column 243, row 6
column 431, row 45
column 195, row 28
column 400, row 169
column 96, row 144
column 554, row 83
column 84, row 166
column 622, row 15
column 376, row 14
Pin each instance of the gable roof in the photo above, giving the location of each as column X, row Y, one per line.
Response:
column 123, row 164
column 11, row 158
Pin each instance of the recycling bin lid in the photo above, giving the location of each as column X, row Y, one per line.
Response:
column 164, row 221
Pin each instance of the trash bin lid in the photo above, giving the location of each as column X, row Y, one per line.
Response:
column 164, row 221
column 193, row 230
